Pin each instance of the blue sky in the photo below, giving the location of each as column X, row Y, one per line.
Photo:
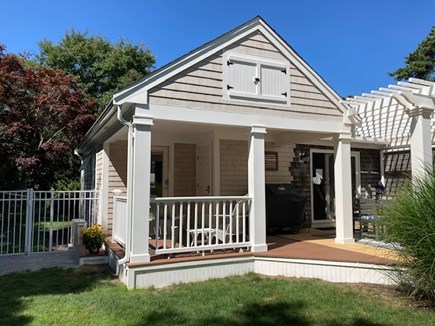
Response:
column 351, row 44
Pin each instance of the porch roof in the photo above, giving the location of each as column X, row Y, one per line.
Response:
column 382, row 114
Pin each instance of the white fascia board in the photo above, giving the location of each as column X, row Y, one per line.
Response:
column 101, row 121
column 187, row 62
column 180, row 114
column 303, row 66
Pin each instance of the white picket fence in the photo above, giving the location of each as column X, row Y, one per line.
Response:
column 42, row 221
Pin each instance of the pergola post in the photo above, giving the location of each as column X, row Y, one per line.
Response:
column 256, row 188
column 139, row 189
column 421, row 142
column 343, row 189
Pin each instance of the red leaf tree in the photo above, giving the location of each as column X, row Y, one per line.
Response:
column 43, row 117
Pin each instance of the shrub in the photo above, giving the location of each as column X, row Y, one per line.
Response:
column 410, row 223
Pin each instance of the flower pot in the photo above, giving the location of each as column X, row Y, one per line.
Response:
column 94, row 251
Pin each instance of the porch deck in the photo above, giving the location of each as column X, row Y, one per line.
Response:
column 309, row 254
column 310, row 244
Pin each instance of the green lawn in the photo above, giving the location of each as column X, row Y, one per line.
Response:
column 92, row 296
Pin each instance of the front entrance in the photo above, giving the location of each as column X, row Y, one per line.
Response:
column 323, row 186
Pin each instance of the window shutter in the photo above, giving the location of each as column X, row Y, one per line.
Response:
column 250, row 78
column 273, row 81
column 241, row 76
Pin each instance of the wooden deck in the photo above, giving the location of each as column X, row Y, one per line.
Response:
column 309, row 245
column 309, row 254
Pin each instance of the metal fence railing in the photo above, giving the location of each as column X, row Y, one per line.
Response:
column 42, row 221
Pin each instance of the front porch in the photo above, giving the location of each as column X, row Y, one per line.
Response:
column 312, row 253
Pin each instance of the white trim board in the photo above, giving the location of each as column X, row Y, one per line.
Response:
column 163, row 275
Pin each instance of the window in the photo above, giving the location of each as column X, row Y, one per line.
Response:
column 259, row 79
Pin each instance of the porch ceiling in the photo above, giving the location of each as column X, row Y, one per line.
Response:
column 383, row 114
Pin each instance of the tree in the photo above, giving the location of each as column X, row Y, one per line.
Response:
column 421, row 62
column 101, row 68
column 43, row 116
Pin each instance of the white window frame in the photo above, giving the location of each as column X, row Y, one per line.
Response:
column 230, row 94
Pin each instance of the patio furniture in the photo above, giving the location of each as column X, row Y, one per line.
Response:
column 235, row 225
column 201, row 236
column 366, row 215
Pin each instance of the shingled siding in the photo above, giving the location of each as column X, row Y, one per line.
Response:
column 184, row 170
column 99, row 169
column 117, row 175
column 398, row 171
column 234, row 166
column 300, row 171
column 201, row 87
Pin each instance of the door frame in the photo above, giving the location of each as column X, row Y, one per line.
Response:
column 356, row 155
column 210, row 172
column 165, row 168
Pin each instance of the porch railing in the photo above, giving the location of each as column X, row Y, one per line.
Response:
column 183, row 224
column 119, row 230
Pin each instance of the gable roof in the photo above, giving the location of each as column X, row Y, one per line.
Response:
column 138, row 89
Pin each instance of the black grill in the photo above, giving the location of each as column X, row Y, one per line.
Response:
column 285, row 208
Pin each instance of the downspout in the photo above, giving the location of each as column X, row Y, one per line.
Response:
column 82, row 185
column 129, row 182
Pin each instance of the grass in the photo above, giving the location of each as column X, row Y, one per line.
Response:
column 92, row 295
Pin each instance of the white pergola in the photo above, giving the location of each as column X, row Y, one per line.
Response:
column 401, row 115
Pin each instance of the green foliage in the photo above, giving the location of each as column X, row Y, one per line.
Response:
column 67, row 184
column 410, row 222
column 421, row 62
column 101, row 68
column 43, row 117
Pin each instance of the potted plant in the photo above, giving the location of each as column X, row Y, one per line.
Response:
column 93, row 238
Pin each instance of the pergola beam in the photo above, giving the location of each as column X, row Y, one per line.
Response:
column 402, row 113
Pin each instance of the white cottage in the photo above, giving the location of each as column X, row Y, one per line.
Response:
column 198, row 139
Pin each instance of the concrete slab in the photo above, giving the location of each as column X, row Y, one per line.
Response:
column 36, row 261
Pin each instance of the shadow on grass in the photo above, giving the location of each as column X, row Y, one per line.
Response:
column 17, row 289
column 265, row 314
column 278, row 313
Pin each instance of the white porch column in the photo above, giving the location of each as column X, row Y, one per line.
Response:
column 421, row 142
column 343, row 190
column 139, row 189
column 256, row 189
